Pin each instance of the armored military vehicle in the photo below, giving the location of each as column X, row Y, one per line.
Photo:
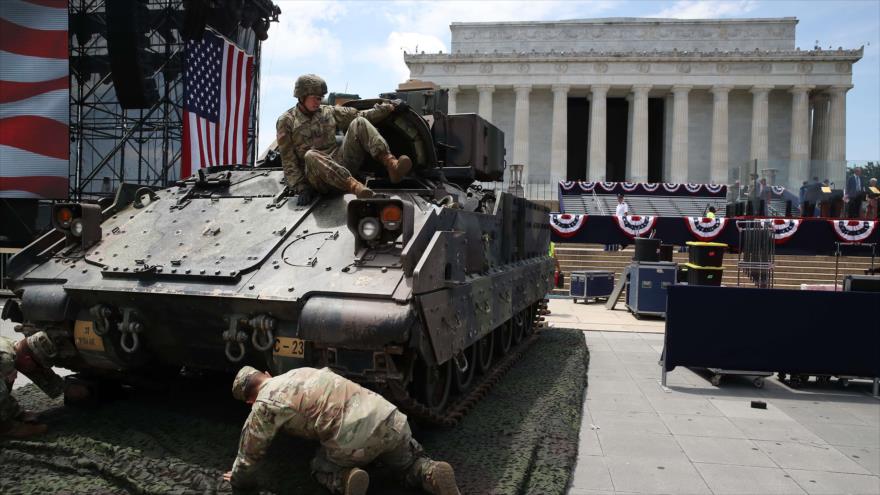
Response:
column 421, row 292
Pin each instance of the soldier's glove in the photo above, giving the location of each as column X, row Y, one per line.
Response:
column 305, row 196
column 399, row 105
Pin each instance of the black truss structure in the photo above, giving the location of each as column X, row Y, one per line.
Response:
column 109, row 144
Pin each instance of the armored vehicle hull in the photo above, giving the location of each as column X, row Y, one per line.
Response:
column 413, row 292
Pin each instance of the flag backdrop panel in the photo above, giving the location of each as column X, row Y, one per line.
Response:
column 34, row 99
column 217, row 94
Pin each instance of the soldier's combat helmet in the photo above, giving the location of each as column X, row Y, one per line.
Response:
column 239, row 385
column 308, row 85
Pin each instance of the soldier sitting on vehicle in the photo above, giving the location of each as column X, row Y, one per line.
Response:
column 312, row 160
column 354, row 425
column 32, row 356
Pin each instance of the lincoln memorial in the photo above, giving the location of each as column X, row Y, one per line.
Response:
column 652, row 100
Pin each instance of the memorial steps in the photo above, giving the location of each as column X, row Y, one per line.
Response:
column 790, row 272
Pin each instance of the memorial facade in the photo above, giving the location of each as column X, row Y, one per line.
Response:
column 651, row 100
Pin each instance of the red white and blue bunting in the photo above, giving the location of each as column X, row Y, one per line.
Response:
column 777, row 190
column 567, row 225
column 650, row 186
column 853, row 230
column 714, row 188
column 608, row 186
column 636, row 225
column 670, row 187
column 587, row 186
column 705, row 229
column 567, row 184
column 629, row 186
column 693, row 188
column 784, row 229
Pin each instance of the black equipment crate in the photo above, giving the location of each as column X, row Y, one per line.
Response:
column 862, row 283
column 646, row 250
column 666, row 252
column 591, row 284
column 704, row 275
column 472, row 141
column 706, row 253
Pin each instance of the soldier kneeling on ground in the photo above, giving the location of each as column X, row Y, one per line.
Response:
column 32, row 356
column 313, row 162
column 355, row 426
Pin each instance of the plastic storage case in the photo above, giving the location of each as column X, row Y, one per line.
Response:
column 706, row 253
column 704, row 275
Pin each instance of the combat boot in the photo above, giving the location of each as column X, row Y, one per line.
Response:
column 357, row 188
column 397, row 167
column 356, row 481
column 19, row 430
column 439, row 479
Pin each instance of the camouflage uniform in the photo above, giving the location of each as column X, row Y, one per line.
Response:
column 309, row 153
column 355, row 427
column 41, row 350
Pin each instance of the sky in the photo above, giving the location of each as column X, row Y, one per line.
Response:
column 357, row 46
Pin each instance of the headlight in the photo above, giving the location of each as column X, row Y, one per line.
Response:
column 76, row 227
column 369, row 228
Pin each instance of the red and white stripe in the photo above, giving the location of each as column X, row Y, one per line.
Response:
column 34, row 99
column 207, row 144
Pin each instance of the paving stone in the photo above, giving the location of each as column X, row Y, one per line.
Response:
column 735, row 451
column 823, row 482
column 790, row 455
column 640, row 445
column 630, row 422
column 630, row 403
column 787, row 430
column 743, row 409
column 676, row 403
column 704, row 426
column 672, row 476
column 849, row 435
column 612, row 387
column 592, row 474
column 738, row 480
column 868, row 458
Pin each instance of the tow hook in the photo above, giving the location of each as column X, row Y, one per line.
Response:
column 130, row 328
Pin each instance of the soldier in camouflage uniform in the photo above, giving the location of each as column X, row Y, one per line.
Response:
column 312, row 160
column 33, row 357
column 354, row 425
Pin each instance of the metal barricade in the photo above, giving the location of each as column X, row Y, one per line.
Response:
column 757, row 251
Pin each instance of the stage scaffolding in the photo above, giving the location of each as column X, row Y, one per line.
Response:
column 109, row 144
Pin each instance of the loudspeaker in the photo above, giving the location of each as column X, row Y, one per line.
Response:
column 127, row 24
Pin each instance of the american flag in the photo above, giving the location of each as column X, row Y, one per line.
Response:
column 34, row 95
column 217, row 94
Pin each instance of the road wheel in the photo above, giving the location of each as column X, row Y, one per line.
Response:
column 485, row 351
column 503, row 337
column 432, row 385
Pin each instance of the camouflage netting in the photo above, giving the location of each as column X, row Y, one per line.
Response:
column 521, row 438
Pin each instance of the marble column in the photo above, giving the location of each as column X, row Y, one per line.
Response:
column 452, row 105
column 559, row 134
column 719, row 165
column 819, row 136
column 521, row 128
column 679, row 169
column 598, row 131
column 799, row 151
column 638, row 169
column 760, row 118
column 837, row 135
column 485, row 105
